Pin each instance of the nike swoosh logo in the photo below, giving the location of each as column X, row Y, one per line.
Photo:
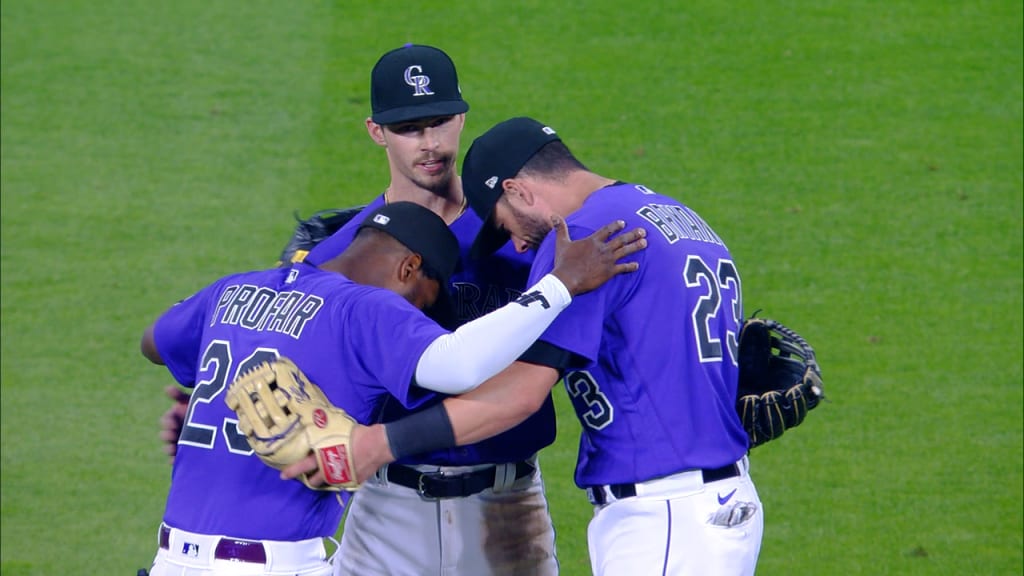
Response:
column 722, row 501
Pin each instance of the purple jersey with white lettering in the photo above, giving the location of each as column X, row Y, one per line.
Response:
column 359, row 343
column 654, row 371
column 478, row 287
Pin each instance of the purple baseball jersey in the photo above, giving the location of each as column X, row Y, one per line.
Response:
column 478, row 287
column 359, row 343
column 654, row 376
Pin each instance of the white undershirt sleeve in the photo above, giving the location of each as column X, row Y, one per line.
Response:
column 462, row 360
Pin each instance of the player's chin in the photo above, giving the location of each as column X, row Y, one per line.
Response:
column 440, row 184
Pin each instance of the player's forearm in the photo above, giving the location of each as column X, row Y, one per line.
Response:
column 148, row 347
column 460, row 361
column 499, row 404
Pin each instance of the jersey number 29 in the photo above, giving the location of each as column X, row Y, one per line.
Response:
column 217, row 359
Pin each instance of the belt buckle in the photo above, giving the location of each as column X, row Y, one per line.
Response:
column 421, row 487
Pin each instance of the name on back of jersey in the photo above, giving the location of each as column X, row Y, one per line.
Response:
column 266, row 310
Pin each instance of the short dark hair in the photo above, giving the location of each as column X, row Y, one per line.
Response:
column 554, row 160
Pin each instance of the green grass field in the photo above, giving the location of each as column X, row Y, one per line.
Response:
column 862, row 159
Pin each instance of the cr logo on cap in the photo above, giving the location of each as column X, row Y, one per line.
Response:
column 421, row 82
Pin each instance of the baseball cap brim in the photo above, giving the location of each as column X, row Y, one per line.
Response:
column 489, row 239
column 407, row 113
column 443, row 309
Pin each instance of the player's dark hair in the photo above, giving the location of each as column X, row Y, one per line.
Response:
column 553, row 160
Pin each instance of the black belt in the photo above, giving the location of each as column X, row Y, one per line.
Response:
column 227, row 548
column 438, row 485
column 619, row 491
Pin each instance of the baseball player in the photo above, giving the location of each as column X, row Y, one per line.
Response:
column 355, row 325
column 649, row 361
column 448, row 511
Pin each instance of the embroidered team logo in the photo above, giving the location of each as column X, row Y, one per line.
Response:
column 420, row 82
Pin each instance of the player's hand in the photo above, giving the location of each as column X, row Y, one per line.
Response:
column 307, row 465
column 173, row 420
column 585, row 264
column 370, row 451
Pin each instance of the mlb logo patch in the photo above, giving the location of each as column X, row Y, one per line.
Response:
column 190, row 549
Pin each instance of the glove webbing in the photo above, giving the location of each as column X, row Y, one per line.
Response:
column 802, row 348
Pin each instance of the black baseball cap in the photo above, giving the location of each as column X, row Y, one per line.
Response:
column 425, row 233
column 494, row 157
column 414, row 82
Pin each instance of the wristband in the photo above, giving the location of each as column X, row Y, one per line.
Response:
column 424, row 431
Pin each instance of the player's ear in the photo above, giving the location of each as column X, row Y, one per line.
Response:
column 514, row 189
column 521, row 190
column 376, row 132
column 410, row 264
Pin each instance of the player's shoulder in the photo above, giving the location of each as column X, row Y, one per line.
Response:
column 257, row 277
column 615, row 201
column 346, row 292
column 357, row 220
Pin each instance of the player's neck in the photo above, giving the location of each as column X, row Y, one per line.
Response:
column 352, row 263
column 574, row 191
column 449, row 207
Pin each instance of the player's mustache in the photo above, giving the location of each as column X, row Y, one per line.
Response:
column 443, row 158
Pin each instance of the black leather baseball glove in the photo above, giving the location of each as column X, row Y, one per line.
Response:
column 780, row 380
column 313, row 230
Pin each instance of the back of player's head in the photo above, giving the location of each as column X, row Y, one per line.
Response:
column 414, row 82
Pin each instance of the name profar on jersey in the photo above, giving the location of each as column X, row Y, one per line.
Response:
column 266, row 310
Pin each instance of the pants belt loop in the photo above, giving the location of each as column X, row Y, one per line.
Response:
column 164, row 537
column 382, row 474
column 504, row 476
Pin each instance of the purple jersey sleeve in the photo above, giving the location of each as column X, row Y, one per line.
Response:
column 654, row 377
column 384, row 337
column 185, row 317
